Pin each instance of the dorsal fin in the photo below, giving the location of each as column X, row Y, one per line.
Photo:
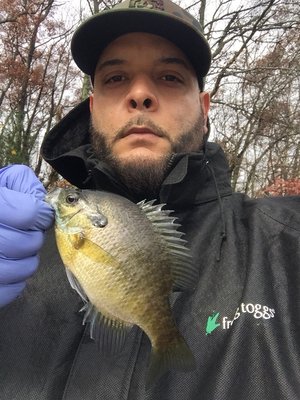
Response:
column 185, row 273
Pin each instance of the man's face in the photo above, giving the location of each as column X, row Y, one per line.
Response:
column 146, row 104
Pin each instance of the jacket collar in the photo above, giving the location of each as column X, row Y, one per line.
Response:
column 193, row 178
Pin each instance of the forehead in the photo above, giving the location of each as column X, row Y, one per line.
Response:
column 146, row 44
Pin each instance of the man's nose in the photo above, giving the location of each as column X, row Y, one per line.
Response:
column 142, row 95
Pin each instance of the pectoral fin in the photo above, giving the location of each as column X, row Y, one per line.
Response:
column 91, row 250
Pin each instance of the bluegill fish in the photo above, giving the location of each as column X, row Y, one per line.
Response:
column 124, row 260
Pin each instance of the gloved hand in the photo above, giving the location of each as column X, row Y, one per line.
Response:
column 24, row 217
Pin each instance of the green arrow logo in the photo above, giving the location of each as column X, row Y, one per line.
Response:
column 212, row 323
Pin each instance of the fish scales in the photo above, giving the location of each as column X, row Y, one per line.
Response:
column 120, row 257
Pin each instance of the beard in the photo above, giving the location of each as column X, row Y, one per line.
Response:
column 141, row 175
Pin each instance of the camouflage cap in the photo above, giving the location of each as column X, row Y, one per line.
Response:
column 160, row 17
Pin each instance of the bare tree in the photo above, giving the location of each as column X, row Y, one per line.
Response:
column 35, row 71
column 254, row 82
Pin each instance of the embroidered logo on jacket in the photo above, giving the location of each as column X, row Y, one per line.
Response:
column 212, row 323
column 257, row 311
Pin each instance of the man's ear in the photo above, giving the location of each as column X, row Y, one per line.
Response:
column 205, row 105
column 91, row 102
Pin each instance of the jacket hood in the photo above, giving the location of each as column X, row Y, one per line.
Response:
column 192, row 179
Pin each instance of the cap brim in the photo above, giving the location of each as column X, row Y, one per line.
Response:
column 96, row 33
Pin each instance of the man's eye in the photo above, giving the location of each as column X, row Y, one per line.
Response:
column 115, row 78
column 171, row 78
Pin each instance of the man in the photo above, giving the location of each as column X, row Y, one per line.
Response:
column 143, row 134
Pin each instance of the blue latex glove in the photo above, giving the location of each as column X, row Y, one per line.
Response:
column 24, row 216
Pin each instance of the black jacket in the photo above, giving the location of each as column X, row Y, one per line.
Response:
column 242, row 322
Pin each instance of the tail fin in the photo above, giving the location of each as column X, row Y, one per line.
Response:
column 176, row 356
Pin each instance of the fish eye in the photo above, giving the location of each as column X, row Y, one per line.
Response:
column 72, row 198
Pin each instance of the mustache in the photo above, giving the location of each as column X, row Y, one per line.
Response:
column 141, row 121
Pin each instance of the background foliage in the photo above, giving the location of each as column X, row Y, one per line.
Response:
column 254, row 83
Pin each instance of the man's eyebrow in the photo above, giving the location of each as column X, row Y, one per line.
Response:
column 163, row 60
column 174, row 60
column 110, row 63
